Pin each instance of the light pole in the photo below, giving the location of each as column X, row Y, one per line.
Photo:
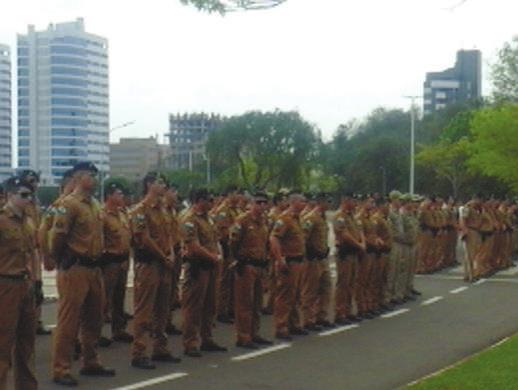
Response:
column 412, row 144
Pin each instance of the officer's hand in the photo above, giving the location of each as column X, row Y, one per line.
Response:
column 169, row 262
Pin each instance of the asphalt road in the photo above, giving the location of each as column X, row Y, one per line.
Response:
column 450, row 321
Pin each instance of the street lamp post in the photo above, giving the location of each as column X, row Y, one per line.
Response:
column 412, row 144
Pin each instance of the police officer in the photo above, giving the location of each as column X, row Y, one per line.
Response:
column 200, row 270
column 76, row 242
column 154, row 262
column 350, row 244
column 34, row 211
column 224, row 216
column 170, row 205
column 316, row 294
column 18, row 319
column 288, row 249
column 115, row 260
column 248, row 244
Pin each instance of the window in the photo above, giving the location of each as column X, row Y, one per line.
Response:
column 67, row 81
column 23, row 62
column 23, row 92
column 68, row 122
column 23, row 142
column 23, row 112
column 55, row 60
column 70, row 40
column 23, row 163
column 69, row 152
column 23, row 152
column 67, row 50
column 61, row 70
column 24, row 82
column 23, row 72
column 68, row 91
column 64, row 163
column 23, row 133
column 68, row 102
column 69, row 142
column 23, row 51
column 69, row 133
column 23, row 102
column 23, row 122
column 68, row 112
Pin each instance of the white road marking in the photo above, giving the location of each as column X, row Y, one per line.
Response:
column 431, row 300
column 480, row 282
column 154, row 381
column 394, row 313
column 442, row 277
column 338, row 330
column 458, row 290
column 261, row 352
column 52, row 326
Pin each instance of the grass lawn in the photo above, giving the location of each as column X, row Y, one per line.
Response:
column 493, row 369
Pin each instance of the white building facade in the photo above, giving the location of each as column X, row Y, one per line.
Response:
column 5, row 112
column 63, row 100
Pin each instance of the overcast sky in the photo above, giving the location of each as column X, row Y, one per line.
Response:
column 333, row 60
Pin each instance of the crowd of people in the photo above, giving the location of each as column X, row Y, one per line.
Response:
column 229, row 258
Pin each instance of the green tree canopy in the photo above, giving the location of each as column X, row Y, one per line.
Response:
column 505, row 73
column 494, row 150
column 269, row 149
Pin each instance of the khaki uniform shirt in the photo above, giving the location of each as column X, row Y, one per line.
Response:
column 150, row 231
column 345, row 223
column 116, row 233
column 288, row 230
column 317, row 233
column 249, row 237
column 199, row 228
column 77, row 229
column 17, row 244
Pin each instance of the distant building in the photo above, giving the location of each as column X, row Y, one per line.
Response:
column 63, row 99
column 459, row 84
column 188, row 135
column 132, row 158
column 5, row 113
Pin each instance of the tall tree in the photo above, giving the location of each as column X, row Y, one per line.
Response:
column 495, row 143
column 505, row 73
column 270, row 149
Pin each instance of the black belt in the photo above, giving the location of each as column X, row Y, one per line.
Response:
column 110, row 258
column 87, row 262
column 203, row 264
column 295, row 259
column 256, row 263
column 15, row 277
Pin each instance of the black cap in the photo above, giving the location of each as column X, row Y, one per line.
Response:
column 85, row 166
column 29, row 173
column 14, row 183
column 112, row 188
column 200, row 194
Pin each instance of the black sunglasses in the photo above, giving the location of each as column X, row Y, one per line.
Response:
column 25, row 195
column 261, row 201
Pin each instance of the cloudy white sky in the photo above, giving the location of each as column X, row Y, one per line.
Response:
column 333, row 60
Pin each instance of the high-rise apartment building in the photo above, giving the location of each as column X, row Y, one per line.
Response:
column 5, row 112
column 459, row 84
column 188, row 135
column 63, row 99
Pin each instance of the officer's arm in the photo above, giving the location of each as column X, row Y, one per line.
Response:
column 142, row 237
column 236, row 236
column 194, row 249
column 63, row 220
column 279, row 230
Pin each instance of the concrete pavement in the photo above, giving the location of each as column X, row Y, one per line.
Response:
column 450, row 321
